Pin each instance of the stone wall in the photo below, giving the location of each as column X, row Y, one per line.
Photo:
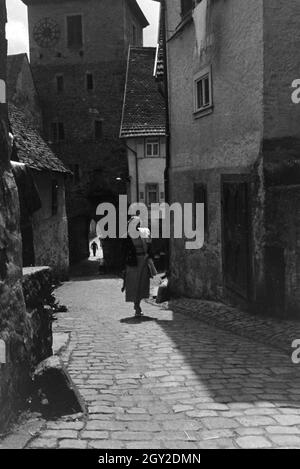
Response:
column 252, row 132
column 226, row 141
column 281, row 148
column 38, row 284
column 12, row 307
column 28, row 337
column 25, row 338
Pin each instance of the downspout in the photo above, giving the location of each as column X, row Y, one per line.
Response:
column 166, row 92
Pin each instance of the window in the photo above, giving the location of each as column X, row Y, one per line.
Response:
column 89, row 81
column 57, row 132
column 152, row 191
column 203, row 91
column 76, row 173
column 186, row 6
column 59, row 83
column 98, row 129
column 54, row 198
column 74, row 31
column 152, row 147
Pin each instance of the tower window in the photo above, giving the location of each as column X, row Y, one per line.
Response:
column 98, row 129
column 59, row 83
column 57, row 131
column 74, row 31
column 89, row 81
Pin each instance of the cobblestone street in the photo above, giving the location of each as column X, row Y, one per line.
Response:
column 168, row 381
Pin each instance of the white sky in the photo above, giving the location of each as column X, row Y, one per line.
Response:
column 16, row 29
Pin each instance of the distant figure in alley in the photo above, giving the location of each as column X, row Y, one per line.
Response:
column 94, row 247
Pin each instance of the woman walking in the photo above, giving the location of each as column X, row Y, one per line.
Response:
column 138, row 263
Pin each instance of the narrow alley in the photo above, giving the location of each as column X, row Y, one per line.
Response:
column 167, row 382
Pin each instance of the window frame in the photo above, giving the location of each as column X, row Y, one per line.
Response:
column 147, row 193
column 87, row 75
column 57, row 132
column 200, row 77
column 59, row 76
column 155, row 140
column 74, row 46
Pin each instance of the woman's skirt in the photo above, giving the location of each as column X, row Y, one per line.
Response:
column 137, row 281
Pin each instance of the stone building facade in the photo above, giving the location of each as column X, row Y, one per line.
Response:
column 78, row 53
column 235, row 147
column 25, row 333
column 44, row 225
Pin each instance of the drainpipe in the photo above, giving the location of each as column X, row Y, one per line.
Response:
column 166, row 93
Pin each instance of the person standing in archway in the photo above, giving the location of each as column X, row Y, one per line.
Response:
column 94, row 247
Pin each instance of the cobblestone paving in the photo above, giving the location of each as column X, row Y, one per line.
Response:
column 279, row 333
column 168, row 381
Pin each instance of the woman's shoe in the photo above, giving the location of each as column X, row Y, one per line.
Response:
column 138, row 312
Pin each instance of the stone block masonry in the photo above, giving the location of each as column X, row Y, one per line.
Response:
column 25, row 335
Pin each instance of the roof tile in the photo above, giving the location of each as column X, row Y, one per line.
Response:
column 144, row 110
column 31, row 147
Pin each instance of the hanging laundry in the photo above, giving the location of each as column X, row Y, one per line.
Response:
column 200, row 14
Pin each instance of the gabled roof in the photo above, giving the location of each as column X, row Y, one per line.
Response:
column 138, row 12
column 144, row 108
column 32, row 149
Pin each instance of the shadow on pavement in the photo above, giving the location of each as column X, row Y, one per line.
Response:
column 228, row 368
column 137, row 320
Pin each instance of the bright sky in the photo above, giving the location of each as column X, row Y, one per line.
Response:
column 16, row 30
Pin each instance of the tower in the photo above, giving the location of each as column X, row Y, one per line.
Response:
column 78, row 52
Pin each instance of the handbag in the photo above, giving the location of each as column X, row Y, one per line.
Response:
column 151, row 267
column 150, row 264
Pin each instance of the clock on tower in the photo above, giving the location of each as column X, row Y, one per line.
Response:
column 46, row 33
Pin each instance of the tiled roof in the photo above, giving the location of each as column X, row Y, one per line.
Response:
column 31, row 147
column 144, row 109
